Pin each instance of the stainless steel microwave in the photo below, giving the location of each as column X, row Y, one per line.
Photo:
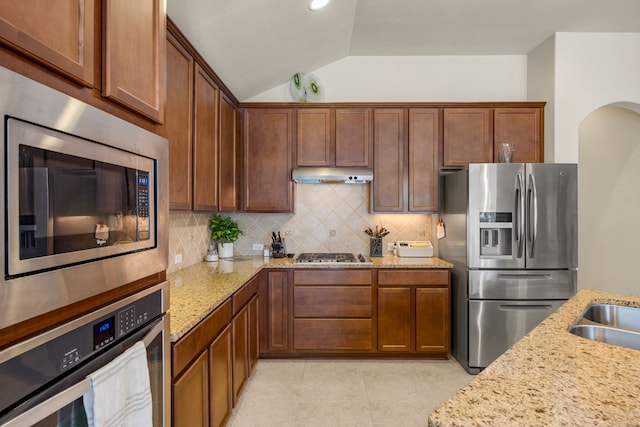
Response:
column 86, row 200
column 71, row 200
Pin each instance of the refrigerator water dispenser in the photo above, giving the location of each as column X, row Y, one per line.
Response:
column 495, row 234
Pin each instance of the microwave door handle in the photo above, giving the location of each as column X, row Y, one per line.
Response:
column 51, row 405
column 519, row 213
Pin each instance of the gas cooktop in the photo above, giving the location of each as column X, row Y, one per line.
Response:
column 328, row 258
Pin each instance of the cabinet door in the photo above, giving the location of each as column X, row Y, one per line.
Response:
column 423, row 159
column 353, row 137
column 395, row 320
column 267, row 160
column 523, row 127
column 134, row 34
column 277, row 311
column 467, row 136
column 58, row 33
column 388, row 160
column 240, row 327
column 313, row 142
column 191, row 395
column 432, row 320
column 254, row 333
column 228, row 155
column 220, row 379
column 178, row 123
column 205, row 142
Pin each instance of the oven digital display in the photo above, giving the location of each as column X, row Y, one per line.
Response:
column 104, row 332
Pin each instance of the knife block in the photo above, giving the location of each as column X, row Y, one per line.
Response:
column 375, row 247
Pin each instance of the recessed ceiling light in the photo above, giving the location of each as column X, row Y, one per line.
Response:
column 318, row 4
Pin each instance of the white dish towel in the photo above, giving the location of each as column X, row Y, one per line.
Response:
column 120, row 392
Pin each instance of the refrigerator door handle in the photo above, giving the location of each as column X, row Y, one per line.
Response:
column 519, row 213
column 532, row 215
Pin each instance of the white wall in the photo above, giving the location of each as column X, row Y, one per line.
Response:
column 541, row 87
column 591, row 70
column 609, row 201
column 417, row 78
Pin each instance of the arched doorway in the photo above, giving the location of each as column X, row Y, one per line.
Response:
column 609, row 199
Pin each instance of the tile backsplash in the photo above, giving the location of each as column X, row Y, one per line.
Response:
column 327, row 218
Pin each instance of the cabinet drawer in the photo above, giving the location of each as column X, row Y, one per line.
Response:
column 333, row 334
column 332, row 277
column 413, row 277
column 332, row 301
column 188, row 347
column 244, row 294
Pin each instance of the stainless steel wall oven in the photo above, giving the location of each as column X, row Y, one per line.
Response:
column 85, row 201
column 45, row 379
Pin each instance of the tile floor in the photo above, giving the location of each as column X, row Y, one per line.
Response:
column 335, row 393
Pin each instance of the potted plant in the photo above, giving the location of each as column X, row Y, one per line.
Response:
column 224, row 231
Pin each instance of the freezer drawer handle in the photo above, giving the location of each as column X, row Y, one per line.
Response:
column 524, row 276
column 514, row 307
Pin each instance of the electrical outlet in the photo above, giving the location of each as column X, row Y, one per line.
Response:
column 390, row 247
column 332, row 233
column 258, row 247
column 177, row 259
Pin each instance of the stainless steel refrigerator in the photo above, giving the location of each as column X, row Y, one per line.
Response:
column 511, row 233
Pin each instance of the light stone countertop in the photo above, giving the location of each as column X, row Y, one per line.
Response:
column 198, row 290
column 552, row 377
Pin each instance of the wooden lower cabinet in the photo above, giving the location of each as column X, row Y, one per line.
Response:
column 414, row 311
column 274, row 313
column 432, row 320
column 254, row 332
column 240, row 327
column 395, row 319
column 333, row 335
column 332, row 311
column 220, row 364
column 211, row 363
column 244, row 328
column 191, row 395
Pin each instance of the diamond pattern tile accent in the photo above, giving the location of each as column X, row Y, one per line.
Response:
column 321, row 210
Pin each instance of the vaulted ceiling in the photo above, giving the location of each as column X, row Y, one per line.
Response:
column 255, row 45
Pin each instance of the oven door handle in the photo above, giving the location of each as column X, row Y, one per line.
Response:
column 64, row 398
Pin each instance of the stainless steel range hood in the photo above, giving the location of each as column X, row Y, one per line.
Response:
column 338, row 175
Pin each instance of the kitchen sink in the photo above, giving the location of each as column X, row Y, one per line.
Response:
column 616, row 316
column 610, row 323
column 619, row 337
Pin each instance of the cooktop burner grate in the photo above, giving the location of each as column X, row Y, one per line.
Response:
column 341, row 257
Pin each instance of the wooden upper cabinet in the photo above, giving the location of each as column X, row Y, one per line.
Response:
column 423, row 159
column 178, row 124
column 134, row 34
column 523, row 127
column 57, row 33
column 205, row 142
column 468, row 136
column 353, row 137
column 228, row 155
column 267, row 160
column 334, row 137
column 388, row 164
column 314, row 142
